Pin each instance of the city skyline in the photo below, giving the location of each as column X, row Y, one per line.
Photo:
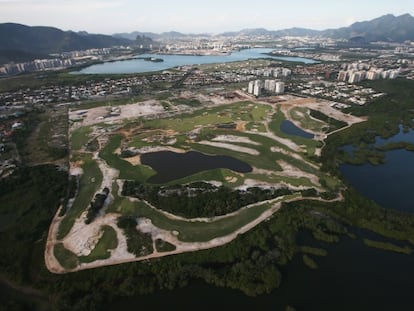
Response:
column 112, row 16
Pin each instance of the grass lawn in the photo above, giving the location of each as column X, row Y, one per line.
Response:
column 241, row 111
column 66, row 258
column 274, row 126
column 219, row 174
column 107, row 242
column 126, row 169
column 89, row 183
column 301, row 115
column 80, row 137
column 297, row 182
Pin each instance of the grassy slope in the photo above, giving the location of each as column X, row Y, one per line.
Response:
column 89, row 183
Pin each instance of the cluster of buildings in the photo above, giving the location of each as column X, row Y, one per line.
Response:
column 88, row 90
column 60, row 61
column 356, row 72
column 256, row 87
column 36, row 65
column 338, row 91
column 278, row 72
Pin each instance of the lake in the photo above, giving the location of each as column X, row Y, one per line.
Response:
column 171, row 61
column 351, row 277
column 289, row 128
column 389, row 184
column 171, row 165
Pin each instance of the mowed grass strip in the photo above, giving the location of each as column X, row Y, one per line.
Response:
column 66, row 258
column 275, row 124
column 107, row 242
column 80, row 137
column 241, row 111
column 126, row 169
column 299, row 181
column 301, row 115
column 196, row 231
column 219, row 174
column 89, row 183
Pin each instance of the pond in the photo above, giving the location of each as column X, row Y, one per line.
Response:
column 289, row 128
column 171, row 166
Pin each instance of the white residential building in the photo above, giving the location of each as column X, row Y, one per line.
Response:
column 280, row 87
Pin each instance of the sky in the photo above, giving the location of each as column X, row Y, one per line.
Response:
column 194, row 16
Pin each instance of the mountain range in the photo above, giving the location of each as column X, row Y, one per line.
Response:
column 385, row 28
column 21, row 43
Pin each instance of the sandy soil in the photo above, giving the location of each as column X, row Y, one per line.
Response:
column 103, row 114
column 158, row 148
column 321, row 105
column 230, row 147
column 136, row 160
column 235, row 139
column 292, row 171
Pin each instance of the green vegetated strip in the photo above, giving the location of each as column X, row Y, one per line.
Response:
column 243, row 111
column 121, row 204
column 333, row 124
column 274, row 178
column 66, row 258
column 203, row 231
column 260, row 161
column 301, row 115
column 396, row 145
column 266, row 158
column 89, row 183
column 107, row 242
column 218, row 174
column 313, row 251
column 388, row 246
column 80, row 137
column 164, row 246
column 126, row 169
column 309, row 262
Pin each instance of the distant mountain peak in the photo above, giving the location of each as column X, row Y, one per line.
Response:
column 384, row 28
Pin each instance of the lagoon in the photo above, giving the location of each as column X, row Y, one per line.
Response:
column 389, row 184
column 139, row 65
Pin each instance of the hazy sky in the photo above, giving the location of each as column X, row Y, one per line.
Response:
column 214, row 16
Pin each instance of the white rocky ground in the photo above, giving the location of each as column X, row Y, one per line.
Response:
column 116, row 113
column 235, row 139
column 230, row 147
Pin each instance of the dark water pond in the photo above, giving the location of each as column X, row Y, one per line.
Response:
column 289, row 128
column 171, row 166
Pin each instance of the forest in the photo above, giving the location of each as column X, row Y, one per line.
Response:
column 199, row 199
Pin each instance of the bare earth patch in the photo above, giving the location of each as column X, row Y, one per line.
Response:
column 136, row 160
column 230, row 147
column 235, row 139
